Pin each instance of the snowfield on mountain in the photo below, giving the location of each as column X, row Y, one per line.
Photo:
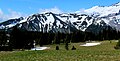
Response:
column 94, row 19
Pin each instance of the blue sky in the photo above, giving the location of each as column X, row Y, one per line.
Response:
column 19, row 7
column 33, row 6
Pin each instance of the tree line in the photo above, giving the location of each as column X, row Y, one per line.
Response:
column 21, row 39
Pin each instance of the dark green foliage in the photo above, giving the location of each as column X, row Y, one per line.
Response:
column 3, row 38
column 5, row 48
column 117, row 45
column 57, row 47
column 77, row 36
column 73, row 48
column 4, row 41
column 66, row 46
column 22, row 39
column 57, row 38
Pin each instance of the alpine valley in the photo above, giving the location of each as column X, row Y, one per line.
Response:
column 93, row 20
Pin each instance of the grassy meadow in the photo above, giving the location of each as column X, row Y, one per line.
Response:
column 103, row 52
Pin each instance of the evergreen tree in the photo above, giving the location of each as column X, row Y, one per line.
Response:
column 117, row 45
column 66, row 46
column 73, row 48
column 57, row 47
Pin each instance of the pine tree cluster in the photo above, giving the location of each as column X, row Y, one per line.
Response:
column 22, row 39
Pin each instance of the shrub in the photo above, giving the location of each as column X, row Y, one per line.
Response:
column 57, row 47
column 73, row 48
column 5, row 48
column 117, row 45
column 66, row 46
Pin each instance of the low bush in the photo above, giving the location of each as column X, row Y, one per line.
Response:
column 117, row 45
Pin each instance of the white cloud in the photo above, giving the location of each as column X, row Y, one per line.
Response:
column 11, row 15
column 1, row 12
column 81, row 11
column 53, row 10
column 1, row 15
column 57, row 11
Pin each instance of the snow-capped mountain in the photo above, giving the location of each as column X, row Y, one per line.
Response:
column 109, row 14
column 94, row 19
column 51, row 22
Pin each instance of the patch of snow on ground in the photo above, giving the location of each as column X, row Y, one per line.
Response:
column 91, row 44
column 40, row 48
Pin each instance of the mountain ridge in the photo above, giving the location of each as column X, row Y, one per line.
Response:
column 97, row 17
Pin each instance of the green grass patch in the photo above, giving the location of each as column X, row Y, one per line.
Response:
column 103, row 52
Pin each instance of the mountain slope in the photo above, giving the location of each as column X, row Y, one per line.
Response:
column 95, row 19
column 55, row 22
